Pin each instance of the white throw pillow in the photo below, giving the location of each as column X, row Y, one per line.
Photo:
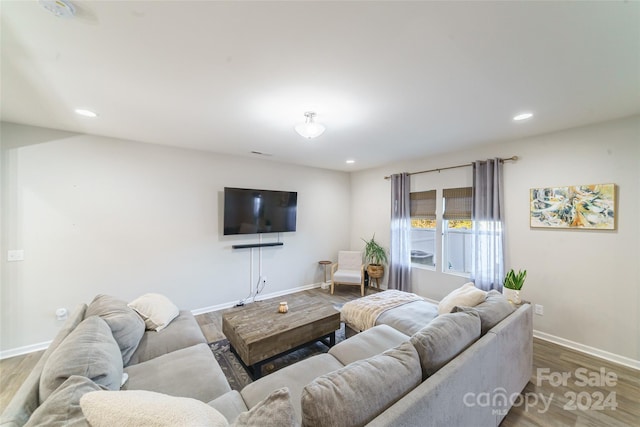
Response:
column 156, row 310
column 142, row 408
column 465, row 296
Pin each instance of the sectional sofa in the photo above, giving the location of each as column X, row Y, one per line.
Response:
column 381, row 377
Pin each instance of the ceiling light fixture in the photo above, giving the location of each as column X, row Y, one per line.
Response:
column 309, row 129
column 350, row 162
column 85, row 113
column 523, row 116
column 60, row 8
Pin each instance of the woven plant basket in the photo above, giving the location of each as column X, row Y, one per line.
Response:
column 376, row 271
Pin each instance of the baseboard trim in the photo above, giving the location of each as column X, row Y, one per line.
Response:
column 19, row 351
column 611, row 357
column 432, row 301
column 260, row 297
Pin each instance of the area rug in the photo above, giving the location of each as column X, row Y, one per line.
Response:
column 237, row 375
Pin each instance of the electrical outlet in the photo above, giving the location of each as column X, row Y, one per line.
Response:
column 62, row 314
column 539, row 309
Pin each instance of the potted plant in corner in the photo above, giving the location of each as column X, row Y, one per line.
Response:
column 513, row 284
column 376, row 257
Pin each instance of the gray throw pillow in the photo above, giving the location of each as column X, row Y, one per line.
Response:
column 62, row 408
column 359, row 392
column 126, row 325
column 444, row 338
column 275, row 410
column 89, row 351
column 492, row 311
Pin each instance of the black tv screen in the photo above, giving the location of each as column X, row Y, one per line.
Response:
column 250, row 211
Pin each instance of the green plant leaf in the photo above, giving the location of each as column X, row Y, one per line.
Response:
column 513, row 280
column 373, row 252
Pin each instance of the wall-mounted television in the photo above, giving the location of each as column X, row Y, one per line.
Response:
column 251, row 211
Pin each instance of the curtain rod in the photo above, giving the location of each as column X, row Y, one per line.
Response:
column 514, row 158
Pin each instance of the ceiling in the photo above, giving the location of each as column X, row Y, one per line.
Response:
column 390, row 80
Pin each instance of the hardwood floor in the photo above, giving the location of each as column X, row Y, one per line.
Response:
column 586, row 396
column 546, row 401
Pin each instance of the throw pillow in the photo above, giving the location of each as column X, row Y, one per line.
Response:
column 275, row 410
column 375, row 384
column 156, row 310
column 89, row 351
column 444, row 338
column 126, row 326
column 491, row 311
column 62, row 407
column 467, row 295
column 141, row 408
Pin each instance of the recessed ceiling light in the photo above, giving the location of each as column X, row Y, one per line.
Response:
column 85, row 113
column 350, row 161
column 523, row 116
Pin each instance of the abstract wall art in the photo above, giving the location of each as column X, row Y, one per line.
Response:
column 576, row 206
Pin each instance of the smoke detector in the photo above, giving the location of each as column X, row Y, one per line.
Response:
column 60, row 8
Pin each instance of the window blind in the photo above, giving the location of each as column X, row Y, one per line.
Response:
column 423, row 204
column 457, row 203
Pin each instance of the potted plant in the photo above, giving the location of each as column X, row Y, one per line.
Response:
column 376, row 257
column 513, row 284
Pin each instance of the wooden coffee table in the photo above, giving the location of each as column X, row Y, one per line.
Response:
column 257, row 333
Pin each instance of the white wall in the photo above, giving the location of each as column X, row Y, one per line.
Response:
column 99, row 215
column 587, row 281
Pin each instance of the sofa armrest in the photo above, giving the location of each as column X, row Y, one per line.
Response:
column 27, row 399
column 515, row 344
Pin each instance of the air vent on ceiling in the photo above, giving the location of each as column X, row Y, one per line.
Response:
column 260, row 153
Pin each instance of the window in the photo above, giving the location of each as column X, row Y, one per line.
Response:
column 423, row 228
column 457, row 229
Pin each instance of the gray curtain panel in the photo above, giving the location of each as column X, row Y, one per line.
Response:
column 488, row 225
column 400, row 248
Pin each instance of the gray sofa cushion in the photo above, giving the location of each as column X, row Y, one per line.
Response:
column 491, row 311
column 230, row 405
column 189, row 372
column 294, row 377
column 367, row 344
column 275, row 410
column 409, row 318
column 444, row 338
column 357, row 393
column 89, row 351
column 62, row 407
column 126, row 325
column 182, row 332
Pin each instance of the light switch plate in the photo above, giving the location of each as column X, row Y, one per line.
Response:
column 15, row 255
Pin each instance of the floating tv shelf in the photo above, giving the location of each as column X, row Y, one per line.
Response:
column 257, row 245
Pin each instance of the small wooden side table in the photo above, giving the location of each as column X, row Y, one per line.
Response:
column 325, row 264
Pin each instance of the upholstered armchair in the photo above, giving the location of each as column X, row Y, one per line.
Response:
column 349, row 270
